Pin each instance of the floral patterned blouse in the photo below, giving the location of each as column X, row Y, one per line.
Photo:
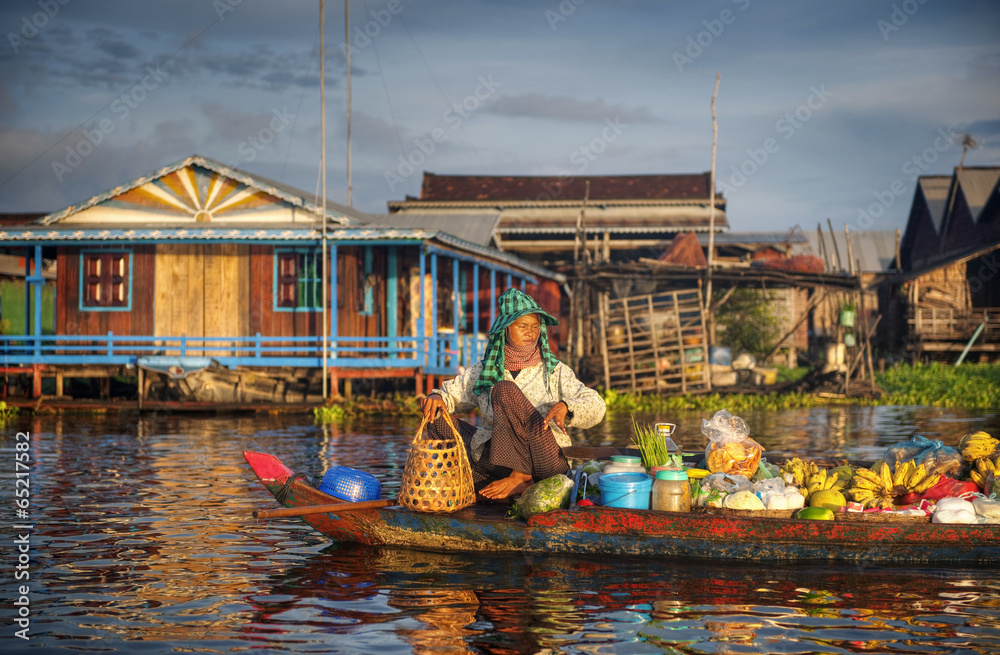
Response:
column 586, row 407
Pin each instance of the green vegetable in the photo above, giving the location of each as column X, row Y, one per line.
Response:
column 543, row 496
column 652, row 447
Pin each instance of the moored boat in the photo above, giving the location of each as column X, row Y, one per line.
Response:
column 606, row 531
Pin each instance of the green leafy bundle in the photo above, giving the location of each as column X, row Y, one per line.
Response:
column 651, row 445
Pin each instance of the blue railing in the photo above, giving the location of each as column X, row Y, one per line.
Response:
column 441, row 355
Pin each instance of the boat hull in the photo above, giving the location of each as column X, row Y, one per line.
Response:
column 601, row 531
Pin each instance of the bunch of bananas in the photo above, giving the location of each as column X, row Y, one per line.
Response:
column 978, row 445
column 983, row 468
column 797, row 470
column 880, row 487
column 810, row 478
column 819, row 479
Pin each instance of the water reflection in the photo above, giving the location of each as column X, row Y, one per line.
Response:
column 143, row 534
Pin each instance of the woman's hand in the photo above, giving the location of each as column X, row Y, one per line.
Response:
column 431, row 405
column 558, row 414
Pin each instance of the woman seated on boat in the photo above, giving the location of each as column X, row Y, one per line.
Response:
column 526, row 398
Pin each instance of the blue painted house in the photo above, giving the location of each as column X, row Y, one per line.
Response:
column 202, row 267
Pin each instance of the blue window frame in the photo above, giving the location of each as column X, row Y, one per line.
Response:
column 297, row 280
column 106, row 280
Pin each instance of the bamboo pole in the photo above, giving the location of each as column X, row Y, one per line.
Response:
column 602, row 309
column 836, row 248
column 322, row 166
column 656, row 346
column 824, row 255
column 711, row 217
column 628, row 333
column 850, row 252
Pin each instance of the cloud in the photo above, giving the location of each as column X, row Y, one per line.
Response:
column 233, row 124
column 111, row 44
column 562, row 108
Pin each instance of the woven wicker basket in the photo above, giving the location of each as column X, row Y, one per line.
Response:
column 878, row 517
column 437, row 476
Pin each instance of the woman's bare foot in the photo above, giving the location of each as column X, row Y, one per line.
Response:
column 510, row 486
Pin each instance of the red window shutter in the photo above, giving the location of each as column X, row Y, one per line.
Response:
column 288, row 279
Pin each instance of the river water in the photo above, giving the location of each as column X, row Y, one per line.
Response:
column 141, row 541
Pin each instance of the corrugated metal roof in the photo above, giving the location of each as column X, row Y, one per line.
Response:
column 509, row 187
column 977, row 186
column 935, row 189
column 875, row 249
column 474, row 228
column 754, row 238
column 290, row 233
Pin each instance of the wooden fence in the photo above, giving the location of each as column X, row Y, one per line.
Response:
column 654, row 343
column 947, row 329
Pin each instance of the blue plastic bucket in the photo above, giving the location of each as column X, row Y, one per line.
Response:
column 351, row 484
column 629, row 490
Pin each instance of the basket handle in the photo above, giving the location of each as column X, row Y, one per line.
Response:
column 447, row 418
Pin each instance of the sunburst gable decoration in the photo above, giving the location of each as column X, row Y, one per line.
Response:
column 194, row 192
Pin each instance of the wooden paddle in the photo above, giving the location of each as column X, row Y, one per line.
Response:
column 321, row 509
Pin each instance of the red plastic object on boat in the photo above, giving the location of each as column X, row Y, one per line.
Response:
column 950, row 488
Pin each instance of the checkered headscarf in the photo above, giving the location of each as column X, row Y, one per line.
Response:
column 513, row 304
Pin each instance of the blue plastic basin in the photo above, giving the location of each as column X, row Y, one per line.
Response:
column 629, row 490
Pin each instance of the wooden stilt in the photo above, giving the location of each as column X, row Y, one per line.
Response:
column 36, row 380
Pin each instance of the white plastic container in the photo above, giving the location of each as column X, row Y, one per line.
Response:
column 624, row 464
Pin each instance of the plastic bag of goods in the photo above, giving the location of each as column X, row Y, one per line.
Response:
column 548, row 494
column 954, row 510
column 725, row 483
column 987, row 507
column 702, row 497
column 940, row 459
column 730, row 448
column 905, row 450
column 950, row 488
column 775, row 494
column 588, row 479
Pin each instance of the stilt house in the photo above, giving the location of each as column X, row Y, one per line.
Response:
column 206, row 283
column 947, row 299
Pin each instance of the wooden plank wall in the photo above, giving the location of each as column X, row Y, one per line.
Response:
column 263, row 317
column 202, row 290
column 138, row 321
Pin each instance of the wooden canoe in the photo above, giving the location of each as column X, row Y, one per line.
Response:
column 635, row 533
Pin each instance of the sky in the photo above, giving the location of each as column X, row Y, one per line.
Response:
column 825, row 110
